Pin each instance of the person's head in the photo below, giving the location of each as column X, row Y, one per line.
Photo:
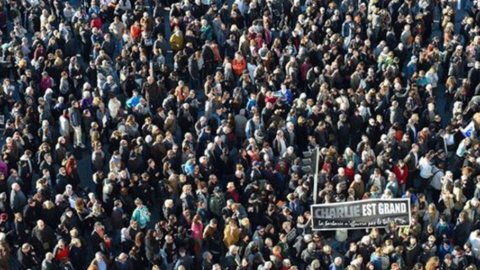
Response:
column 16, row 187
column 40, row 224
column 123, row 257
column 26, row 248
column 207, row 256
column 99, row 257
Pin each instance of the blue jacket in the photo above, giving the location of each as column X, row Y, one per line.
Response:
column 287, row 96
column 75, row 117
column 442, row 251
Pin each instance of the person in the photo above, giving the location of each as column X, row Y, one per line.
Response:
column 141, row 214
column 76, row 123
column 43, row 237
column 18, row 199
column 401, row 173
column 123, row 262
column 61, row 252
column 48, row 262
column 184, row 261
column 99, row 262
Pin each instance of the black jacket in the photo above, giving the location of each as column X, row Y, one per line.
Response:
column 412, row 254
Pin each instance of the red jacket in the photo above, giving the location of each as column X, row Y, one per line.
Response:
column 96, row 23
column 45, row 83
column 62, row 255
column 401, row 176
column 234, row 195
column 239, row 66
column 349, row 173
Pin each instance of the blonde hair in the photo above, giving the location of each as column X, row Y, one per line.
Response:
column 48, row 205
column 76, row 242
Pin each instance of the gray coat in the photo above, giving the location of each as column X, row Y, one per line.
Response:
column 17, row 201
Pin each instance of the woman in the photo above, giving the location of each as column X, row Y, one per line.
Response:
column 433, row 263
column 176, row 41
column 401, row 172
column 71, row 169
column 431, row 215
column 197, row 233
column 50, row 212
column 141, row 214
column 98, row 157
column 450, row 90
column 97, row 214
column 231, row 233
column 131, row 127
column 62, row 252
column 188, row 201
column 80, row 209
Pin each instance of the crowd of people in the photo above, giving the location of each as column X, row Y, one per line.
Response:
column 157, row 134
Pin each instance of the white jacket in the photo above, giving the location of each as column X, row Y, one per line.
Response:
column 114, row 107
column 64, row 127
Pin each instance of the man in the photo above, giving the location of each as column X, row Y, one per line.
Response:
column 474, row 240
column 413, row 252
column 108, row 46
column 412, row 160
column 309, row 254
column 76, row 122
column 194, row 70
column 25, row 170
column 18, row 200
column 184, row 260
column 240, row 125
column 207, row 262
column 61, row 180
column 213, row 239
column 279, row 144
column 109, row 87
column 48, row 263
column 43, row 237
column 186, row 121
column 337, row 264
column 253, row 125
column 152, row 93
column 133, row 101
column 228, row 261
column 377, row 180
column 13, row 178
column 26, row 256
column 285, row 94
column 100, row 261
column 122, row 262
